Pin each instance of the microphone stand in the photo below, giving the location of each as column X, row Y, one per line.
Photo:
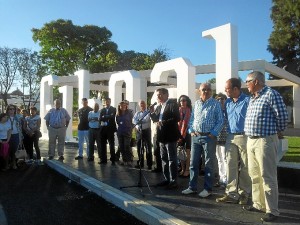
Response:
column 139, row 184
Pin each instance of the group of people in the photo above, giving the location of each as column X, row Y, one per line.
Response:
column 237, row 132
column 19, row 129
column 253, row 126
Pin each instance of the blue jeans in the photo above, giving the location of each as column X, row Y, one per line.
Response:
column 208, row 145
column 83, row 136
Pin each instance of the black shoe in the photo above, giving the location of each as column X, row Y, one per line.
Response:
column 113, row 163
column 162, row 184
column 251, row 209
column 171, row 186
column 268, row 217
column 90, row 159
column 78, row 157
column 149, row 167
column 50, row 158
column 102, row 162
column 61, row 158
column 155, row 170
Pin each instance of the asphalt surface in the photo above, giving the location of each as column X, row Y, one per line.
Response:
column 34, row 195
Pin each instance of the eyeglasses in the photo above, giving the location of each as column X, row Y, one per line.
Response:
column 204, row 89
column 248, row 81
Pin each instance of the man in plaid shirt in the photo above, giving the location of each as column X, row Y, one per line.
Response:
column 266, row 119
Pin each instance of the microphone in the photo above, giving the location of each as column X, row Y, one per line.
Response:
column 154, row 104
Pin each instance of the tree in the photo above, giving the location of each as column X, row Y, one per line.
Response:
column 31, row 71
column 285, row 38
column 131, row 60
column 9, row 66
column 66, row 48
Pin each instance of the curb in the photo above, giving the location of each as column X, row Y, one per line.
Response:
column 136, row 207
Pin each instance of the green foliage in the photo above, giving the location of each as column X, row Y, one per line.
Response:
column 131, row 60
column 285, row 38
column 66, row 48
column 293, row 153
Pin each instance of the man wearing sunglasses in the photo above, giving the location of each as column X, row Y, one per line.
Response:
column 205, row 124
column 265, row 121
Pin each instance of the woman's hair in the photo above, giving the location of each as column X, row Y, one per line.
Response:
column 11, row 106
column 188, row 101
column 119, row 112
column 2, row 115
column 33, row 108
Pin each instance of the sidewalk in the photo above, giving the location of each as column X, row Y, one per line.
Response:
column 159, row 206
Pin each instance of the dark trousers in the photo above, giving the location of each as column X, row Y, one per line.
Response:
column 157, row 155
column 144, row 144
column 33, row 141
column 107, row 136
column 94, row 136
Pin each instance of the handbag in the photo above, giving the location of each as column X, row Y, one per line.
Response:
column 38, row 133
column 4, row 151
column 21, row 153
column 181, row 153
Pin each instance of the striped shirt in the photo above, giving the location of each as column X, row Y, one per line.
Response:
column 266, row 114
column 146, row 122
column 207, row 117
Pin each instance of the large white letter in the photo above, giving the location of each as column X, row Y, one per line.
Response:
column 226, row 53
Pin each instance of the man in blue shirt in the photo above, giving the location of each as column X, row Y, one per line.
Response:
column 142, row 122
column 266, row 119
column 94, row 132
column 205, row 124
column 238, row 186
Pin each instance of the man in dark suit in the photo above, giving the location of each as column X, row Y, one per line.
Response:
column 108, row 129
column 166, row 117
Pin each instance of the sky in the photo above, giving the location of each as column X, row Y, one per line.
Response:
column 145, row 25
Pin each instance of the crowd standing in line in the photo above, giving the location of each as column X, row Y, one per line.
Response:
column 240, row 133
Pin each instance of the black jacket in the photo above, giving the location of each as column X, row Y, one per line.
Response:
column 109, row 118
column 169, row 131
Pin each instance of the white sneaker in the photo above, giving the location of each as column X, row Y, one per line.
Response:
column 188, row 191
column 204, row 193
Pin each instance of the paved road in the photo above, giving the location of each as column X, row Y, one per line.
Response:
column 38, row 195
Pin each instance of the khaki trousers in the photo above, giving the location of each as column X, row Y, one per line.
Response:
column 60, row 135
column 262, row 155
column 238, row 179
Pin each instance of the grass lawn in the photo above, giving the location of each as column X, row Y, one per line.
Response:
column 293, row 154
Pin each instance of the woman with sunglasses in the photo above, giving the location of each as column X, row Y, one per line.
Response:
column 16, row 134
column 185, row 109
